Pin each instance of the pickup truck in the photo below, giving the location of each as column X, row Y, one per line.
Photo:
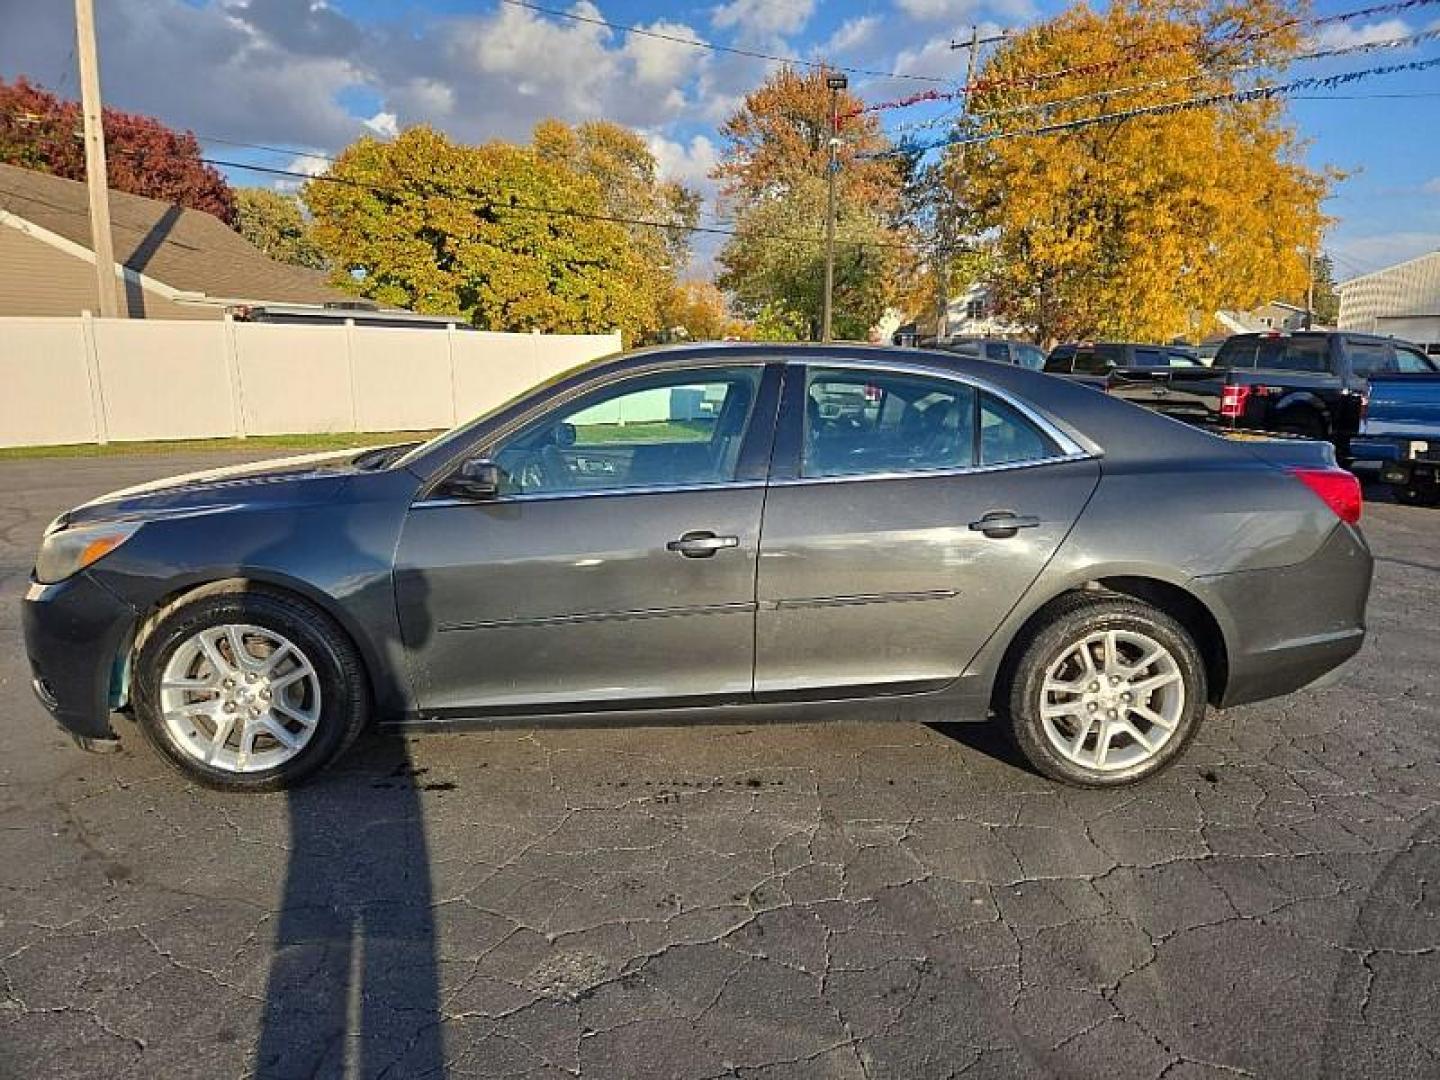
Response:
column 1401, row 431
column 1310, row 383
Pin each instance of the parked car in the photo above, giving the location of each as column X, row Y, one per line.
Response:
column 1401, row 430
column 1309, row 383
column 1094, row 361
column 948, row 546
column 1000, row 350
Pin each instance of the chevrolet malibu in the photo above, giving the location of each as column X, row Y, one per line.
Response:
column 715, row 533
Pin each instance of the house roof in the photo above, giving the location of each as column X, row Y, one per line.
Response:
column 188, row 250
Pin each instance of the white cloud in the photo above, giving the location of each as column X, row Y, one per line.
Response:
column 1344, row 35
column 383, row 124
column 763, row 17
column 851, row 34
column 662, row 62
column 1431, row 187
column 689, row 163
column 965, row 12
column 1383, row 249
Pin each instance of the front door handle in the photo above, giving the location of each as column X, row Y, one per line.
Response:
column 701, row 545
column 1003, row 524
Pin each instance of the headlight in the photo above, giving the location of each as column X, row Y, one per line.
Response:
column 68, row 551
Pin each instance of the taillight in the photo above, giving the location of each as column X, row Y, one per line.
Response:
column 1232, row 401
column 1337, row 488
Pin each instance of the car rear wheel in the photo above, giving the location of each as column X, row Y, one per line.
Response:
column 1108, row 692
column 249, row 690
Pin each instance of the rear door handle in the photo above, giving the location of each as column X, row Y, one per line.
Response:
column 1003, row 524
column 701, row 544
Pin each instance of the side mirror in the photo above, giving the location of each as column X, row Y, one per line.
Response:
column 478, row 479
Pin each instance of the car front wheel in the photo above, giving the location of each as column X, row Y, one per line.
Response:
column 1108, row 692
column 248, row 690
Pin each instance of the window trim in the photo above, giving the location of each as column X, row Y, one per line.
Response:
column 786, row 460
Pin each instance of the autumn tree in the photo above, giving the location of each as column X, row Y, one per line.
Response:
column 627, row 175
column 143, row 156
column 697, row 311
column 494, row 233
column 772, row 172
column 1142, row 228
column 275, row 223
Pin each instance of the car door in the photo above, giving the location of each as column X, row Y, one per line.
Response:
column 616, row 564
column 895, row 543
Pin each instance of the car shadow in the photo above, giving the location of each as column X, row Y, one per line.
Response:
column 985, row 738
column 353, row 987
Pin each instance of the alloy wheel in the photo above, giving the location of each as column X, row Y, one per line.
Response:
column 240, row 698
column 1112, row 700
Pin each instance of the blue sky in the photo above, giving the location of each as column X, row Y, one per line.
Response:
column 308, row 76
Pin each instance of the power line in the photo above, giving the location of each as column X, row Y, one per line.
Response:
column 557, row 211
column 1033, row 79
column 1158, row 84
column 731, row 49
column 1255, row 93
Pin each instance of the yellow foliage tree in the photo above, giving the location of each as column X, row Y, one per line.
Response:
column 1141, row 228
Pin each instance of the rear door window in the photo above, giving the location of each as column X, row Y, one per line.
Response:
column 1145, row 356
column 1304, row 354
column 1009, row 438
column 1098, row 359
column 1369, row 358
column 1410, row 361
column 860, row 422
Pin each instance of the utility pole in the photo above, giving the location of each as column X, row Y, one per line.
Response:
column 944, row 232
column 836, row 83
column 1310, row 288
column 95, row 176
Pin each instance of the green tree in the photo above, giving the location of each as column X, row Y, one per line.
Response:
column 624, row 170
column 1140, row 229
column 275, row 223
column 773, row 174
column 494, row 232
column 1327, row 296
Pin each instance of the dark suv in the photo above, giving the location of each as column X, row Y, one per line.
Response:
column 1000, row 350
column 1102, row 357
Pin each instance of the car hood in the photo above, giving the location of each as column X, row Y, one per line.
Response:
column 309, row 478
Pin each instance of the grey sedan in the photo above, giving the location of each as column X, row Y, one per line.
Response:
column 715, row 533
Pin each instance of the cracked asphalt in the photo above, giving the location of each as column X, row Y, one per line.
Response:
column 762, row 902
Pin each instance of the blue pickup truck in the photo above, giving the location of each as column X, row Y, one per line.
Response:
column 1401, row 430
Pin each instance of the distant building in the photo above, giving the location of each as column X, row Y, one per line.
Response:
column 176, row 263
column 1276, row 315
column 1400, row 301
column 972, row 314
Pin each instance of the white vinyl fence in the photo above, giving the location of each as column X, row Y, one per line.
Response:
column 77, row 380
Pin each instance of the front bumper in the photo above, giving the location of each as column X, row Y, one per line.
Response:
column 74, row 631
column 1289, row 626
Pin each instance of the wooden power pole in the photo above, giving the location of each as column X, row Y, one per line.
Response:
column 95, row 175
column 945, row 230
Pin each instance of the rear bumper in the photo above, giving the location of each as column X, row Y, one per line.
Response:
column 73, row 633
column 1290, row 626
column 1409, row 473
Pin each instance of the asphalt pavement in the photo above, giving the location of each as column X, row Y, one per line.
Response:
column 771, row 902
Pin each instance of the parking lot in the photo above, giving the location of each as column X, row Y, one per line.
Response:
column 790, row 901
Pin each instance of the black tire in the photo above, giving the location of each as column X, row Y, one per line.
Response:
column 1414, row 496
column 1069, row 622
column 1303, row 421
column 345, row 697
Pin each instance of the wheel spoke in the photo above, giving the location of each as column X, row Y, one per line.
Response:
column 1102, row 743
column 1155, row 682
column 1077, row 744
column 1147, row 713
column 282, row 681
column 194, row 686
column 243, row 659
column 1112, row 652
column 211, row 651
column 285, row 708
column 223, row 726
column 279, row 731
column 1136, row 734
column 281, row 651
